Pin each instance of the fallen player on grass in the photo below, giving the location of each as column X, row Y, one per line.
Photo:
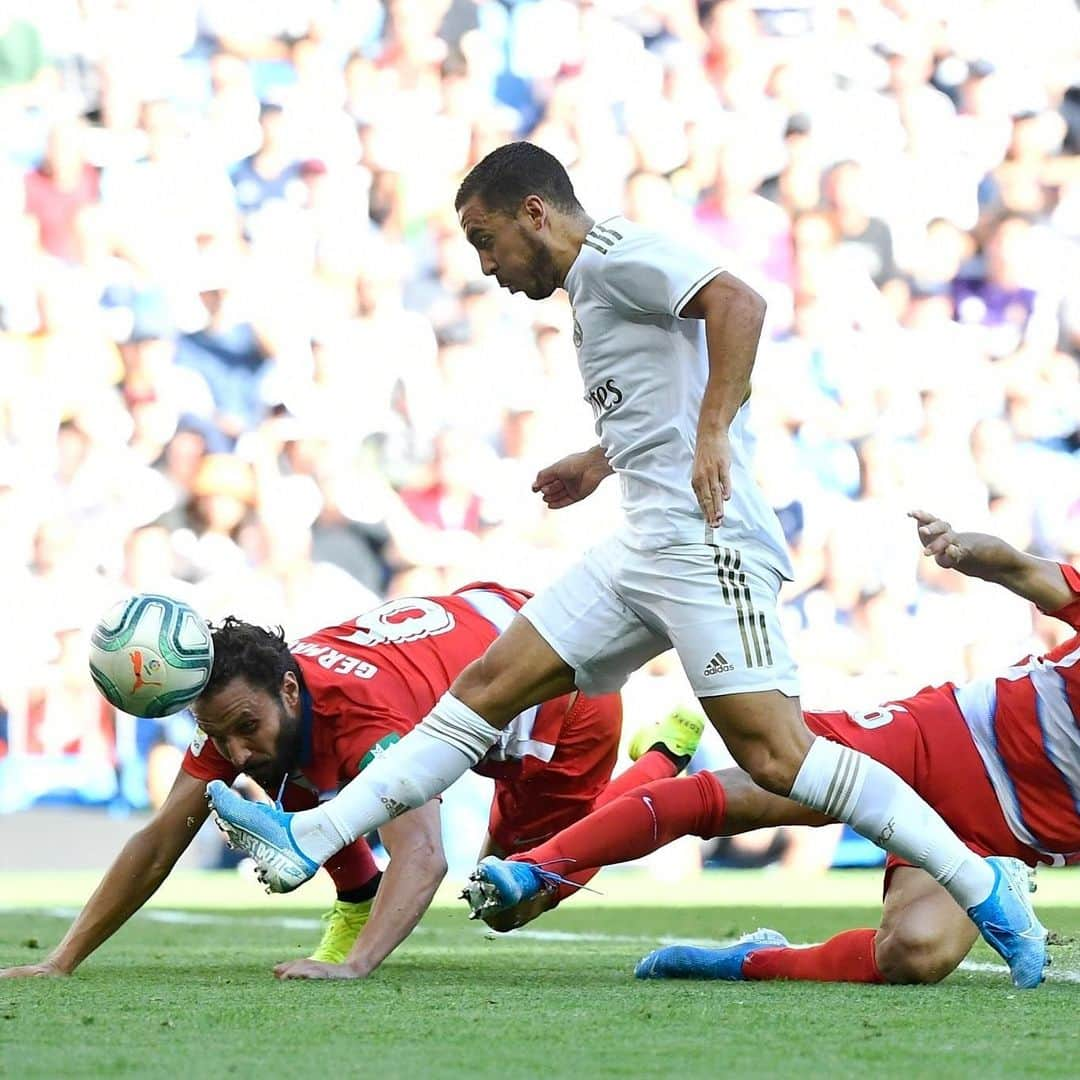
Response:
column 998, row 758
column 305, row 720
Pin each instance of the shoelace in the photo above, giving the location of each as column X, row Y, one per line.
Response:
column 550, row 877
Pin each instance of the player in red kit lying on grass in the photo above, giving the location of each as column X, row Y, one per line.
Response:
column 305, row 720
column 998, row 758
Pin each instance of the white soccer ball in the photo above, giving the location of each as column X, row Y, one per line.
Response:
column 151, row 655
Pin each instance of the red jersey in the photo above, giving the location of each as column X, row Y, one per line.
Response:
column 371, row 680
column 998, row 758
column 1025, row 723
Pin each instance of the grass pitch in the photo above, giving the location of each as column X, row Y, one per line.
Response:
column 186, row 988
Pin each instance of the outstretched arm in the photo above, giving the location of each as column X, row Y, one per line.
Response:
column 992, row 559
column 417, row 867
column 142, row 865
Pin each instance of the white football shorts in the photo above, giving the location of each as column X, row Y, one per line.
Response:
column 619, row 607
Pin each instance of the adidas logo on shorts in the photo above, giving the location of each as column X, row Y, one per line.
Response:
column 718, row 665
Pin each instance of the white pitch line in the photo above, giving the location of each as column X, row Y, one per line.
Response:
column 1053, row 975
column 292, row 922
column 183, row 918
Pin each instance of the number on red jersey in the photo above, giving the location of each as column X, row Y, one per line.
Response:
column 408, row 619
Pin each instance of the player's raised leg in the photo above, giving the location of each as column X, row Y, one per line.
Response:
column 768, row 737
column 548, row 806
column 518, row 670
column 630, row 827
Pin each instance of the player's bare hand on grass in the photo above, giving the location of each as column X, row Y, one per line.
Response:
column 45, row 969
column 572, row 478
column 314, row 969
column 711, row 479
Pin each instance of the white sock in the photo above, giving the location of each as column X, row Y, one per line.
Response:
column 877, row 804
column 447, row 742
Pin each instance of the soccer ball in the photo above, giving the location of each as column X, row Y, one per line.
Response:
column 151, row 655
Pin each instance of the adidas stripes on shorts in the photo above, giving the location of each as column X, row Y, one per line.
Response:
column 618, row 607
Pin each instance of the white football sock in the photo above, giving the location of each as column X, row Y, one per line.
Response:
column 441, row 748
column 877, row 804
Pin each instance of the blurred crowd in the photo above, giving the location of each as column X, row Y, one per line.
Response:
column 247, row 357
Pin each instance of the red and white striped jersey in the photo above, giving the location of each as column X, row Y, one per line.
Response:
column 1025, row 724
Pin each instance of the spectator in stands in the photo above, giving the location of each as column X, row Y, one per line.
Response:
column 232, row 281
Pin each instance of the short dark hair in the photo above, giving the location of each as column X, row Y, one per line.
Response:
column 509, row 173
column 260, row 656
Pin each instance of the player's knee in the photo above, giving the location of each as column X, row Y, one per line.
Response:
column 771, row 767
column 490, row 687
column 770, row 744
column 907, row 952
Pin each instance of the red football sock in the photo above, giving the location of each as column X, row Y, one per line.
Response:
column 652, row 765
column 848, row 957
column 634, row 824
column 353, row 868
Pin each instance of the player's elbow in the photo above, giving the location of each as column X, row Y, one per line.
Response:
column 154, row 851
column 438, row 868
column 429, row 859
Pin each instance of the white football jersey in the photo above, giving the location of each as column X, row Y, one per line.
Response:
column 645, row 371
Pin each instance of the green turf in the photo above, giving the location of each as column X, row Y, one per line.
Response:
column 168, row 999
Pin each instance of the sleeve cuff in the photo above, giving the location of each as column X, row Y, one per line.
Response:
column 692, row 290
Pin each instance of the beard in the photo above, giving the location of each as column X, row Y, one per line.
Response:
column 269, row 772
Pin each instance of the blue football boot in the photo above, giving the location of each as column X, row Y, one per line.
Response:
column 1009, row 925
column 498, row 884
column 697, row 962
column 264, row 833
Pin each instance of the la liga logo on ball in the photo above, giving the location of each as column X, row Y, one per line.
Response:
column 146, row 669
column 151, row 655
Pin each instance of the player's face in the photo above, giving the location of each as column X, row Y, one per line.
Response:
column 511, row 247
column 257, row 731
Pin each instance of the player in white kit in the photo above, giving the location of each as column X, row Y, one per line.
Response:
column 666, row 341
